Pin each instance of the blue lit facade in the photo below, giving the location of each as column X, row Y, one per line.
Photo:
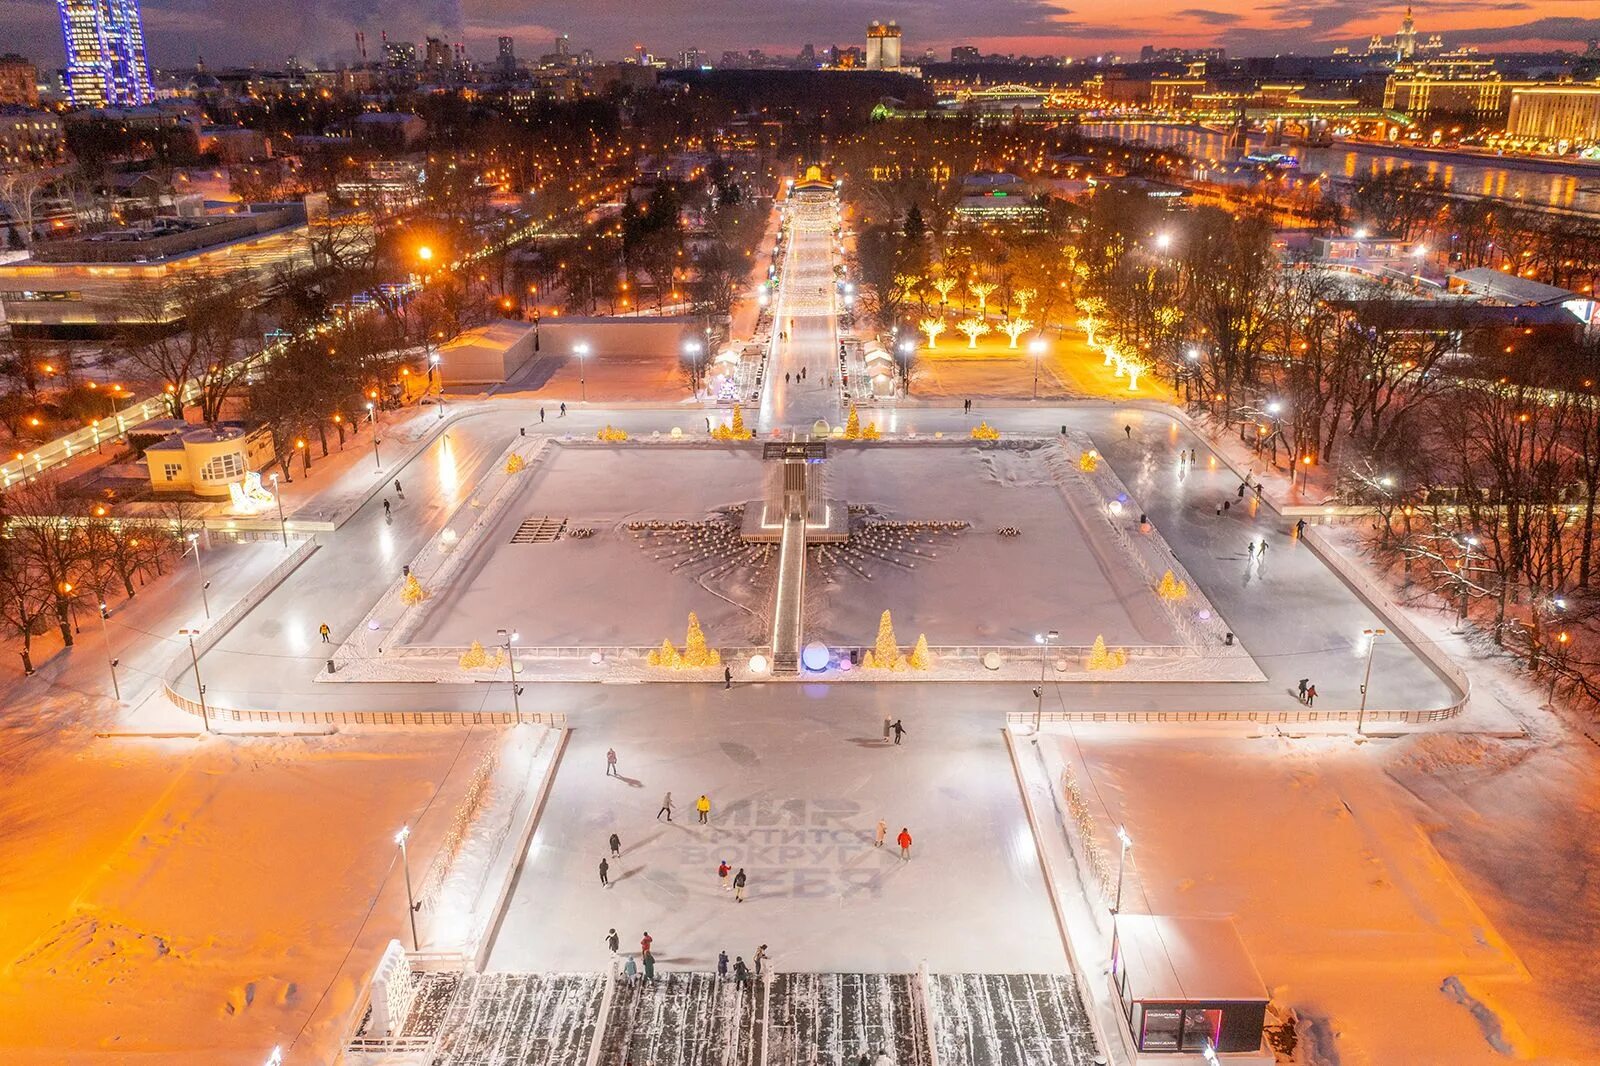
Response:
column 105, row 53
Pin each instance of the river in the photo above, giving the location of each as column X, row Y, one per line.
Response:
column 1542, row 182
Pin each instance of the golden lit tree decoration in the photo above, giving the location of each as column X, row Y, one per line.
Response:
column 974, row 328
column 1015, row 328
column 1171, row 588
column 920, row 658
column 608, row 432
column 984, row 431
column 852, row 424
column 1101, row 658
column 514, row 463
column 885, row 654
column 412, row 592
column 932, row 327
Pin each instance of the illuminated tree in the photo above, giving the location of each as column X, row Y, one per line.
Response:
column 973, row 328
column 1100, row 658
column 473, row 657
column 920, row 659
column 1024, row 298
column 1171, row 588
column 943, row 285
column 1093, row 307
column 982, row 289
column 1015, row 328
column 695, row 651
column 885, row 654
column 852, row 425
column 932, row 327
column 413, row 593
column 984, row 431
column 514, row 463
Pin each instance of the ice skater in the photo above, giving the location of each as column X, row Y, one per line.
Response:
column 702, row 807
column 741, row 972
column 759, row 957
column 605, row 874
column 611, row 763
column 1129, row 431
column 666, row 807
column 883, row 831
column 1300, row 529
column 613, row 941
column 899, row 730
column 645, row 942
column 1311, row 696
column 630, row 970
column 727, row 677
column 616, row 846
column 386, row 516
column 541, row 416
column 649, row 967
column 325, row 631
column 722, row 965
column 904, row 840
column 1304, row 681
column 1251, row 548
column 563, row 410
column 723, row 869
column 739, row 881
column 397, row 490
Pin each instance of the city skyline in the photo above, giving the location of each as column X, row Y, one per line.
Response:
column 325, row 29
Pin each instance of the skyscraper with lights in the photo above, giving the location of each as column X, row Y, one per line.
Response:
column 105, row 53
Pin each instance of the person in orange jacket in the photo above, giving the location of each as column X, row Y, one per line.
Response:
column 904, row 840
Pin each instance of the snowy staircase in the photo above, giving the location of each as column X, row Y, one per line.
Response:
column 834, row 1017
column 519, row 1019
column 684, row 1019
column 1010, row 1020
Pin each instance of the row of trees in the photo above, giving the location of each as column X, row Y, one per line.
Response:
column 62, row 556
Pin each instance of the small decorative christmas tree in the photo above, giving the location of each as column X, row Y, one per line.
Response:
column 852, row 425
column 514, row 463
column 473, row 657
column 608, row 432
column 413, row 593
column 885, row 654
column 695, row 652
column 1088, row 461
column 1100, row 658
column 735, row 430
column 871, row 432
column 984, row 431
column 1171, row 588
column 920, row 658
column 665, row 656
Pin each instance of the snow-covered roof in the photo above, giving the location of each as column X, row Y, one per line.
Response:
column 1199, row 960
column 1507, row 287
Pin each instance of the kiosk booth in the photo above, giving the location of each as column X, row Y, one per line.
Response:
column 1188, row 991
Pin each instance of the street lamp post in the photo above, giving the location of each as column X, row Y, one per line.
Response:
column 277, row 493
column 372, row 416
column 1372, row 636
column 1043, row 640
column 508, row 641
column 105, row 632
column 205, row 602
column 582, row 352
column 692, row 348
column 438, row 397
column 1036, row 346
column 199, row 686
column 405, row 863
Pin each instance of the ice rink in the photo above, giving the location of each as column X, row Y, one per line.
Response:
column 798, row 778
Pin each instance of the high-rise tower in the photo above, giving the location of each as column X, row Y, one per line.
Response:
column 883, row 45
column 105, row 53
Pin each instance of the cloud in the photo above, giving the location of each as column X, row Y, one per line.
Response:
column 1210, row 17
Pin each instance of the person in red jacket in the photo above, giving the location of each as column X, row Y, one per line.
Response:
column 723, row 869
column 904, row 840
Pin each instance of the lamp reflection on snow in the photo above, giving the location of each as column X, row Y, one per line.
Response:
column 449, row 475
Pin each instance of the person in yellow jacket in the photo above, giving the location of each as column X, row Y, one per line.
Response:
column 703, row 807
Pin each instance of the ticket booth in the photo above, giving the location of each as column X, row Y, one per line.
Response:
column 1187, row 988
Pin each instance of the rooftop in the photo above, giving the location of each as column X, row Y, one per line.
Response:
column 1197, row 960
